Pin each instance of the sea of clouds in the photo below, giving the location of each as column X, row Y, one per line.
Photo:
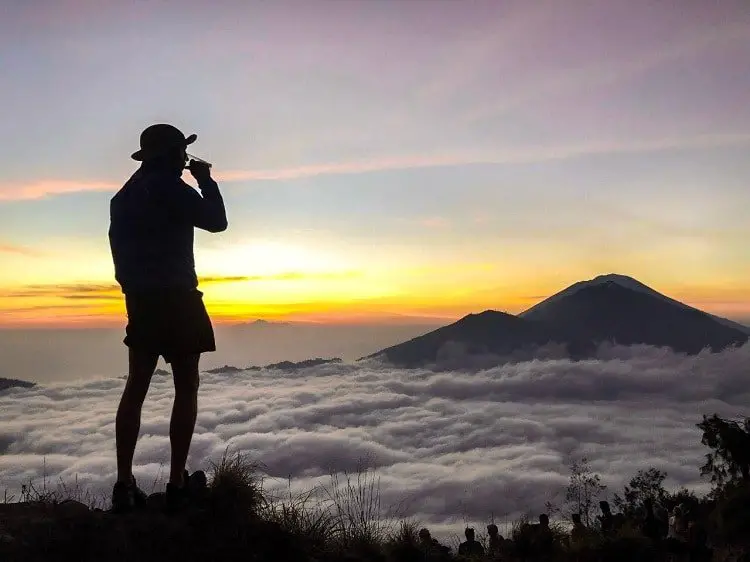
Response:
column 449, row 447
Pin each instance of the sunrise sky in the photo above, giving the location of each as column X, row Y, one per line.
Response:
column 384, row 160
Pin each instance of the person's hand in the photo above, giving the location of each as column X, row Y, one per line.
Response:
column 201, row 171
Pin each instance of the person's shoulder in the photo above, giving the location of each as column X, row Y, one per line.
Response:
column 121, row 195
column 133, row 179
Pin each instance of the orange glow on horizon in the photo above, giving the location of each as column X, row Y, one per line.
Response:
column 103, row 306
column 293, row 282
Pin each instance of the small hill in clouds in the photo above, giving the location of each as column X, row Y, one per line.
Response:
column 306, row 364
column 260, row 323
column 283, row 365
column 610, row 308
column 12, row 383
column 226, row 369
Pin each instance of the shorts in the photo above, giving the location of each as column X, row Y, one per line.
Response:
column 170, row 323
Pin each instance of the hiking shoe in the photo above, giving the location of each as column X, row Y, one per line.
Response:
column 127, row 496
column 192, row 492
column 197, row 486
column 197, row 482
column 178, row 497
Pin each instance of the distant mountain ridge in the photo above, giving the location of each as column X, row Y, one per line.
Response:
column 283, row 365
column 610, row 308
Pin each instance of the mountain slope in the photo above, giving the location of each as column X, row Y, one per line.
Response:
column 488, row 332
column 628, row 283
column 611, row 311
column 612, row 308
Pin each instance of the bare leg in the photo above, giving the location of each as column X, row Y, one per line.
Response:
column 184, row 413
column 141, row 367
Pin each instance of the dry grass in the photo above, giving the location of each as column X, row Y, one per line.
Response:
column 354, row 502
column 46, row 493
column 406, row 533
column 236, row 485
column 304, row 516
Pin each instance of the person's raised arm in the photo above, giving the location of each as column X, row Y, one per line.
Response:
column 207, row 211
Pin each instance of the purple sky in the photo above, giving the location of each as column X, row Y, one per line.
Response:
column 552, row 140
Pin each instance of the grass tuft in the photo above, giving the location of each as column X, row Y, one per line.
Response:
column 236, row 485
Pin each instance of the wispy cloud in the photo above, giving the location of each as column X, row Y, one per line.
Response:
column 112, row 291
column 283, row 276
column 353, row 167
column 490, row 155
column 72, row 291
column 36, row 189
column 6, row 248
column 434, row 222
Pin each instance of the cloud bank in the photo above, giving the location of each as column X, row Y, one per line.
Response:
column 448, row 447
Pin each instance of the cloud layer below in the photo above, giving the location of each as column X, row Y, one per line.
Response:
column 448, row 446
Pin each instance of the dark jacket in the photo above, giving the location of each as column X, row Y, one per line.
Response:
column 151, row 229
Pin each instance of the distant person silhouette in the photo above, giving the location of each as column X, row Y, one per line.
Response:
column 470, row 548
column 650, row 525
column 425, row 538
column 544, row 537
column 495, row 541
column 678, row 524
column 579, row 532
column 606, row 519
column 430, row 547
column 152, row 222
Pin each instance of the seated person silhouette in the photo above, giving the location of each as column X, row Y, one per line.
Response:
column 470, row 548
column 431, row 548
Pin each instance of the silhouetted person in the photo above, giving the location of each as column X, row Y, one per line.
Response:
column 678, row 524
column 650, row 526
column 470, row 547
column 579, row 531
column 430, row 547
column 424, row 536
column 152, row 219
column 544, row 537
column 676, row 542
column 496, row 540
column 606, row 519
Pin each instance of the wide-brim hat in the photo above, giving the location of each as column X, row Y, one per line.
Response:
column 160, row 138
